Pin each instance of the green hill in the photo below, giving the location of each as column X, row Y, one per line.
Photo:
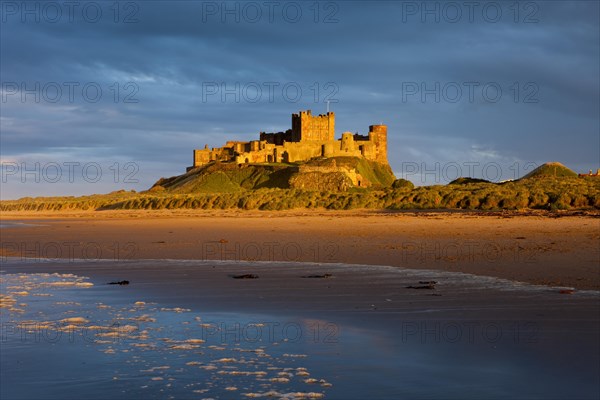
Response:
column 226, row 178
column 330, row 174
column 553, row 169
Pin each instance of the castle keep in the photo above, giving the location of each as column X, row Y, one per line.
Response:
column 310, row 137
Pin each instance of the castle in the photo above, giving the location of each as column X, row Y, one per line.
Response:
column 595, row 175
column 310, row 137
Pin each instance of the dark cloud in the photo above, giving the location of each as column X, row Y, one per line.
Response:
column 546, row 65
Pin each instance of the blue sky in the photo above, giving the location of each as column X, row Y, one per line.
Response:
column 105, row 95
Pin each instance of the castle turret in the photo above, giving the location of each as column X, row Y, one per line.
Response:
column 378, row 135
column 347, row 144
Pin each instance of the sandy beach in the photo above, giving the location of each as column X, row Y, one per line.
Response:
column 535, row 248
column 291, row 305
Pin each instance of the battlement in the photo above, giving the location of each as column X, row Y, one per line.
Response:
column 310, row 137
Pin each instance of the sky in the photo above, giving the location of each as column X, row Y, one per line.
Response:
column 101, row 96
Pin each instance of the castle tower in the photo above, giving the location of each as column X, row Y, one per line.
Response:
column 347, row 144
column 306, row 127
column 378, row 135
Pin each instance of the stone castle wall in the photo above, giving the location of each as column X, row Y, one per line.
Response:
column 310, row 137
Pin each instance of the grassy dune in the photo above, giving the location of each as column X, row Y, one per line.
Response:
column 545, row 192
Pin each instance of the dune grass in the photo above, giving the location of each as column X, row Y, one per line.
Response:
column 546, row 193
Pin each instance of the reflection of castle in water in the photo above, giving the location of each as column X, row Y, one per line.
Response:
column 310, row 137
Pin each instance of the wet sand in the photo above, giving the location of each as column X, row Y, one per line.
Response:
column 366, row 330
column 536, row 248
